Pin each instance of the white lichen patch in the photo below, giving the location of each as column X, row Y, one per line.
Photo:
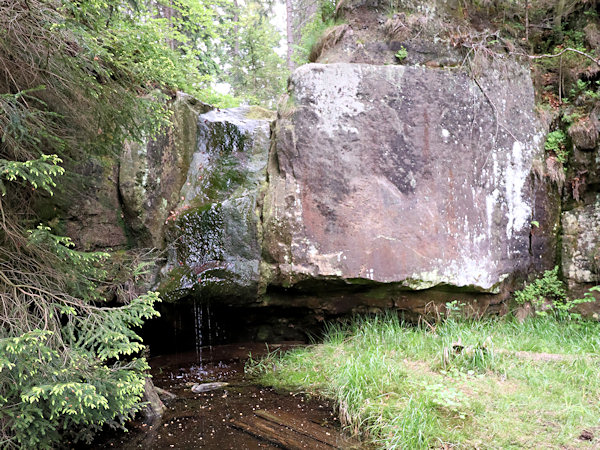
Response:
column 459, row 273
column 315, row 83
column 515, row 178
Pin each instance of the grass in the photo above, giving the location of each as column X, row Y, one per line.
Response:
column 493, row 383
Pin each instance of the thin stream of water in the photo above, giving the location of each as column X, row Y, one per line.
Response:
column 198, row 330
column 205, row 331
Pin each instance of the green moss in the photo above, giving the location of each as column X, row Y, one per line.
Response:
column 259, row 113
column 200, row 235
column 556, row 142
column 172, row 287
column 120, row 220
column 225, row 178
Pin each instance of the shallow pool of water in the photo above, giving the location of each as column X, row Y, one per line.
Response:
column 205, row 420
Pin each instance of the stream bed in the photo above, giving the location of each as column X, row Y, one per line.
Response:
column 216, row 419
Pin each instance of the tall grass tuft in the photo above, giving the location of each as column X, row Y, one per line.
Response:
column 455, row 382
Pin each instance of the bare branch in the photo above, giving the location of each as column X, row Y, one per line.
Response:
column 562, row 52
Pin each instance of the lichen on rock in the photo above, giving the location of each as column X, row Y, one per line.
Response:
column 401, row 174
column 213, row 232
column 581, row 243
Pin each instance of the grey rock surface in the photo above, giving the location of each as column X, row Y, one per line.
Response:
column 581, row 243
column 151, row 174
column 213, row 233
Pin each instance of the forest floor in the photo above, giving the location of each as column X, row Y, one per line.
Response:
column 493, row 383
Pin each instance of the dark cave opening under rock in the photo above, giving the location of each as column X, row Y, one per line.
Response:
column 191, row 324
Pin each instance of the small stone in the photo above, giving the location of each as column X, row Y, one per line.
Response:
column 205, row 387
column 586, row 435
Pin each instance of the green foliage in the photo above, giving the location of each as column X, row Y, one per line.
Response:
column 401, row 54
column 257, row 74
column 572, row 117
column 313, row 30
column 46, row 396
column 60, row 370
column 547, row 294
column 39, row 173
column 585, row 90
column 454, row 310
column 556, row 142
column 76, row 79
column 547, row 288
column 86, row 268
column 98, row 72
column 449, row 398
column 212, row 97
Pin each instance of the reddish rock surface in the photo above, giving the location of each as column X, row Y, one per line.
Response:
column 408, row 175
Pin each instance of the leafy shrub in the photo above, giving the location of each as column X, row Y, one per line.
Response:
column 46, row 396
column 401, row 54
column 548, row 295
column 548, row 288
column 65, row 359
column 556, row 142
column 448, row 397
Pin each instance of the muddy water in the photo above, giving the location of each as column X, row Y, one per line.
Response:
column 204, row 420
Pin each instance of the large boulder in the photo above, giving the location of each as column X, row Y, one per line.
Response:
column 408, row 176
column 213, row 232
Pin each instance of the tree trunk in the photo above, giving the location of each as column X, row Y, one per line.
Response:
column 166, row 12
column 236, row 29
column 290, row 34
column 558, row 14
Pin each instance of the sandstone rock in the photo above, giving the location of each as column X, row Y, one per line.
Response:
column 429, row 53
column 92, row 213
column 403, row 175
column 151, row 174
column 581, row 243
column 584, row 133
column 592, row 35
column 369, row 36
column 207, row 387
column 154, row 408
column 213, row 232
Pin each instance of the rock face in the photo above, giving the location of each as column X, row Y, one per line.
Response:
column 213, row 233
column 377, row 186
column 151, row 174
column 581, row 243
column 93, row 215
column 580, row 220
column 407, row 175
